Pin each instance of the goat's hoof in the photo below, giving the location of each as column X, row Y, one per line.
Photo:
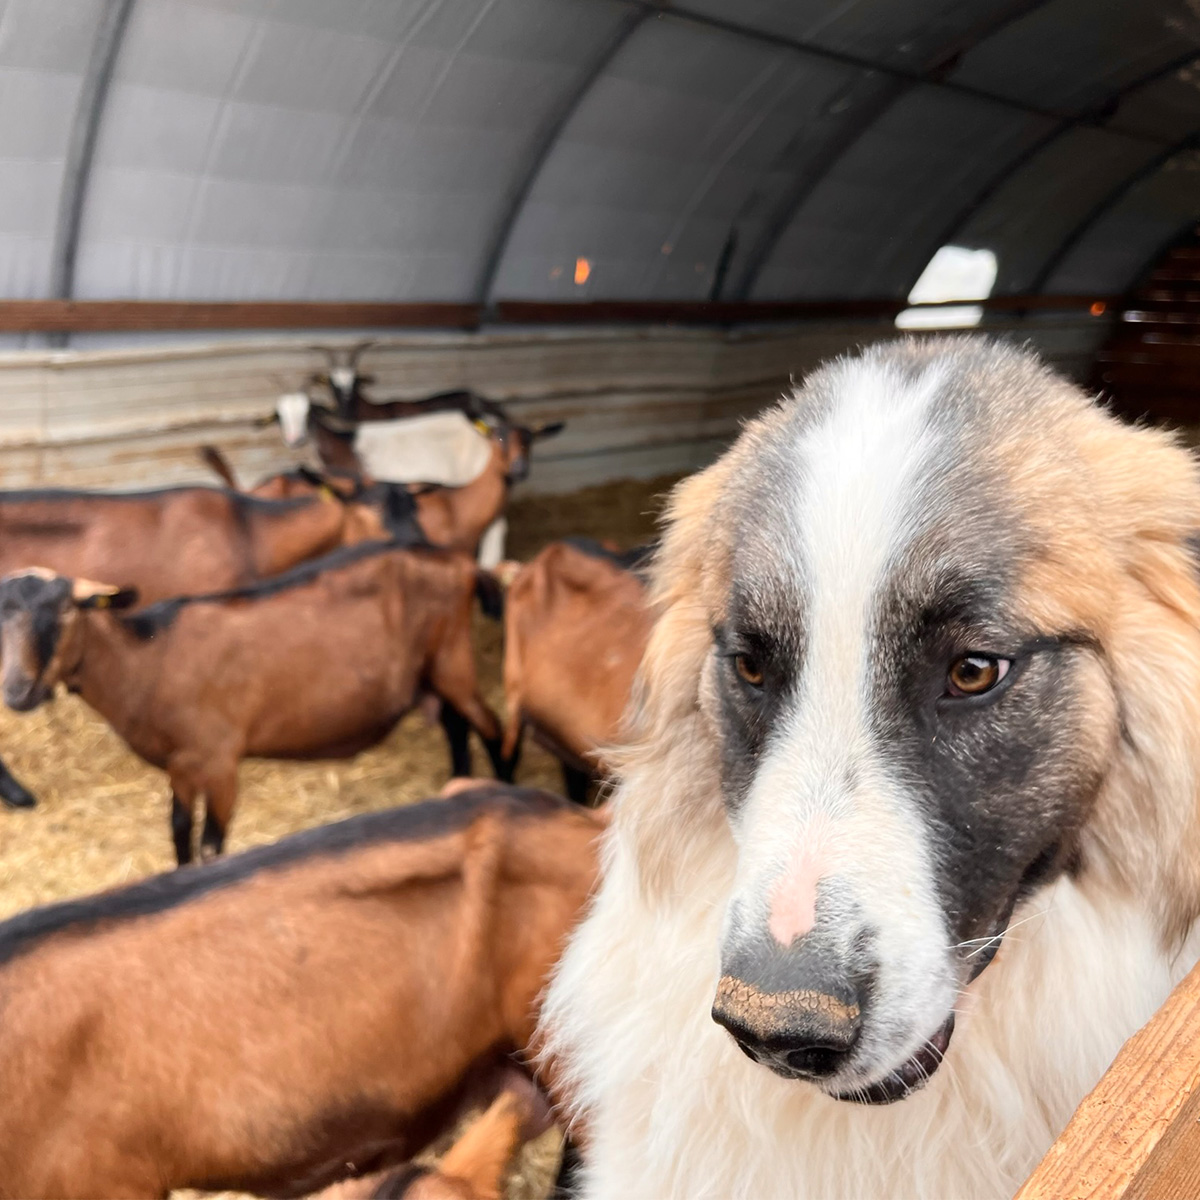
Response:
column 16, row 795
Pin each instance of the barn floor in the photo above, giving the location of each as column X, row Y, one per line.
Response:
column 102, row 817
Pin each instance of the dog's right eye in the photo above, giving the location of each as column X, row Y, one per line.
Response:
column 749, row 669
column 974, row 674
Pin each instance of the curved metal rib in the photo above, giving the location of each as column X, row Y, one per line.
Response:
column 901, row 83
column 1106, row 204
column 527, row 176
column 81, row 146
column 977, row 203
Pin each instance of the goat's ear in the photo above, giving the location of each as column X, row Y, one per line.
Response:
column 88, row 594
column 548, row 430
column 367, row 379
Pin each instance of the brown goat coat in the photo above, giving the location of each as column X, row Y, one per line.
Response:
column 312, row 1014
column 167, row 543
column 453, row 517
column 575, row 627
column 458, row 516
column 323, row 668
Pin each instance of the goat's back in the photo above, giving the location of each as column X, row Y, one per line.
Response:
column 313, row 662
column 332, row 991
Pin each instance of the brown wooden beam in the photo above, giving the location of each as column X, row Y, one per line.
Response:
column 93, row 316
column 1142, row 1097
column 524, row 312
column 702, row 312
column 75, row 316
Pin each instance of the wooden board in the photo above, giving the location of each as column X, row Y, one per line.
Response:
column 1143, row 1102
column 1172, row 1172
column 71, row 316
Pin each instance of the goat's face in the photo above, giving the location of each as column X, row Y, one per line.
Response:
column 35, row 607
column 293, row 411
column 516, row 442
column 913, row 725
column 343, row 383
column 40, row 615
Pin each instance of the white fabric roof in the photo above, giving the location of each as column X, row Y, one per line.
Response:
column 471, row 150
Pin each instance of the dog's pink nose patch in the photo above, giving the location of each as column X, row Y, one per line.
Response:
column 794, row 897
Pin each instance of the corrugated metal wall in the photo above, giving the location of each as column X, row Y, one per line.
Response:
column 636, row 403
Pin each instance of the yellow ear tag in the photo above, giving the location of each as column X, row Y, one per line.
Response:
column 326, row 493
column 482, row 427
column 103, row 601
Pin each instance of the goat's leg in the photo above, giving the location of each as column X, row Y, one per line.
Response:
column 578, row 783
column 183, row 801
column 514, row 743
column 503, row 767
column 457, row 729
column 220, row 797
column 514, row 733
column 479, row 717
column 487, row 725
column 453, row 678
column 12, row 791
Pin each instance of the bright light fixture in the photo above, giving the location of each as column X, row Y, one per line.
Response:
column 953, row 273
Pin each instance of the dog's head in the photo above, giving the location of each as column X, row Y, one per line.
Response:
column 935, row 620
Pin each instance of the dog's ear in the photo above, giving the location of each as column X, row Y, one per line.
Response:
column 1136, row 581
column 669, row 798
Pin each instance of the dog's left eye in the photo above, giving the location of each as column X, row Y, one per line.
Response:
column 749, row 668
column 974, row 674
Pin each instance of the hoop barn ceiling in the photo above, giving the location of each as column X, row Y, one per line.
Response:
column 472, row 150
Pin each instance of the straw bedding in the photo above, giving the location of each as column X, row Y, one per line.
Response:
column 103, row 813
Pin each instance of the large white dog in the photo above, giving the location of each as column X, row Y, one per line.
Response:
column 907, row 839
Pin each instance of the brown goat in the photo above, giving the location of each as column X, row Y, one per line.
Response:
column 169, row 542
column 458, row 516
column 576, row 624
column 451, row 517
column 318, row 663
column 454, row 517
column 376, row 508
column 174, row 540
column 319, row 1008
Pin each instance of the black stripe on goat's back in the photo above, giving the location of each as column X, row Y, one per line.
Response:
column 634, row 559
column 240, row 500
column 154, row 618
column 410, row 823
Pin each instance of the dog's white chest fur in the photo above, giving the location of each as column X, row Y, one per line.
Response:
column 673, row 1109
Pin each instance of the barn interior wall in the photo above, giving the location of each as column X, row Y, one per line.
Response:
column 637, row 402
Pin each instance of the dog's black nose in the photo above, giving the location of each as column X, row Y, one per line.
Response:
column 797, row 1008
column 799, row 1034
